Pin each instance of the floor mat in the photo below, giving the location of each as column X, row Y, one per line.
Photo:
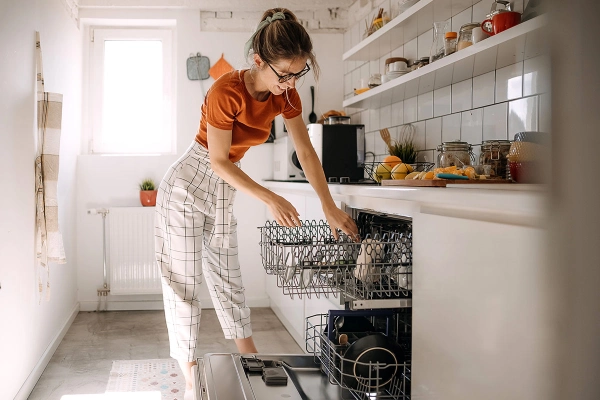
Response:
column 163, row 376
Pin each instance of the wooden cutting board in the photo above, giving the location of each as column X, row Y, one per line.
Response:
column 438, row 182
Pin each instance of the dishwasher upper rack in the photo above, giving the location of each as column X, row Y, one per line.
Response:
column 337, row 367
column 308, row 260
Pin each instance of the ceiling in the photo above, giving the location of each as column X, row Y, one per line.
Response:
column 223, row 5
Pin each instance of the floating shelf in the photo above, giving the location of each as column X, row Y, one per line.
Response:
column 519, row 43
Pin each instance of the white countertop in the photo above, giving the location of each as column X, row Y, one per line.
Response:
column 520, row 203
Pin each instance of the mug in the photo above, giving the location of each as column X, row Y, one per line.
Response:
column 478, row 35
column 501, row 22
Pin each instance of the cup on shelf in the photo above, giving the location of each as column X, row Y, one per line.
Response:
column 478, row 35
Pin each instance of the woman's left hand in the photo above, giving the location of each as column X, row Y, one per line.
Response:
column 338, row 219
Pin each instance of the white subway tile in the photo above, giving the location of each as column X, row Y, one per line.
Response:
column 385, row 116
column 374, row 67
column 522, row 115
column 462, row 94
column 451, row 127
column 536, row 75
column 484, row 87
column 410, row 110
column 495, row 120
column 433, row 133
column 426, row 156
column 365, row 72
column 410, row 49
column 471, row 128
column 509, row 82
column 424, row 44
column 355, row 79
column 370, row 142
column 398, row 52
column 480, row 10
column 348, row 87
column 356, row 34
column 419, row 138
column 381, row 149
column 545, row 113
column 374, row 119
column 460, row 19
column 442, row 101
column 425, row 106
column 397, row 113
column 364, row 119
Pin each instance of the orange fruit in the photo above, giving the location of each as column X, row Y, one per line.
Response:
column 392, row 161
column 428, row 175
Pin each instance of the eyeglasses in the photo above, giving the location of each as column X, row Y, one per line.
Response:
column 285, row 78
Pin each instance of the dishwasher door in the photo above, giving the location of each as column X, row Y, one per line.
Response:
column 222, row 377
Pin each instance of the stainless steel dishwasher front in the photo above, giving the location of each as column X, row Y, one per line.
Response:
column 222, row 377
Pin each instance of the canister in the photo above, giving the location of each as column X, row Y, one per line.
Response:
column 454, row 153
column 493, row 153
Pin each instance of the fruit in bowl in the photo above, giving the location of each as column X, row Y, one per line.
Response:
column 400, row 171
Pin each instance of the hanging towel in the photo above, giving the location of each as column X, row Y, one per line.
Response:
column 219, row 68
column 49, row 242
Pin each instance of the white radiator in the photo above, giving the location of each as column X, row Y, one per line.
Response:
column 132, row 262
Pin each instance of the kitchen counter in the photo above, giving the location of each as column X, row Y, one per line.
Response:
column 517, row 204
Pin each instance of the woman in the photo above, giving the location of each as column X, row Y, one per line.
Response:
column 195, row 198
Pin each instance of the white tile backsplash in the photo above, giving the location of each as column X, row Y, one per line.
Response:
column 398, row 113
column 471, row 128
column 370, row 142
column 495, row 120
column 380, row 146
column 481, row 9
column 451, row 127
column 424, row 43
column 385, row 116
column 484, row 87
column 462, row 94
column 545, row 110
column 425, row 106
column 460, row 19
column 509, row 82
column 410, row 49
column 536, row 75
column 522, row 115
column 442, row 101
column 374, row 119
column 410, row 110
column 433, row 133
column 419, row 135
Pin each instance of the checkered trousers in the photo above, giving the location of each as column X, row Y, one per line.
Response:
column 186, row 207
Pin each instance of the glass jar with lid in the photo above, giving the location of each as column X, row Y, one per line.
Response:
column 465, row 36
column 493, row 153
column 454, row 153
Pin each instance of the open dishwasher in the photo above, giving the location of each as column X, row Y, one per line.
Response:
column 361, row 352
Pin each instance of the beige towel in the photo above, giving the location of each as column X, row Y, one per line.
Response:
column 49, row 243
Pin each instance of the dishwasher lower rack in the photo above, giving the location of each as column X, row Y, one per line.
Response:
column 308, row 260
column 352, row 370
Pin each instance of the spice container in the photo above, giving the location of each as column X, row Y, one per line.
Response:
column 494, row 153
column 465, row 36
column 374, row 80
column 450, row 39
column 454, row 153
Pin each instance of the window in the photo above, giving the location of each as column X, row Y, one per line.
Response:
column 131, row 91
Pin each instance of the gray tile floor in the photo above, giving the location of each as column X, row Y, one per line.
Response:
column 83, row 360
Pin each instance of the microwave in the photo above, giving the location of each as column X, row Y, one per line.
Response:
column 341, row 150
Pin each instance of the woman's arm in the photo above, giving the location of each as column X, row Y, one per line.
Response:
column 314, row 173
column 219, row 145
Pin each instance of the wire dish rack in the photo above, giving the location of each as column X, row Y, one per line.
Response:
column 371, row 168
column 368, row 379
column 308, row 260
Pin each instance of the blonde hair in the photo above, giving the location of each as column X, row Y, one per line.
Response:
column 283, row 39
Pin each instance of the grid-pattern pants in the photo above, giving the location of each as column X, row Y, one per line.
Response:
column 185, row 217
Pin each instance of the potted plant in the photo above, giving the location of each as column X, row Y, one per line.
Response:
column 148, row 193
column 405, row 147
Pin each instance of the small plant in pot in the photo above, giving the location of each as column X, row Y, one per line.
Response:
column 148, row 193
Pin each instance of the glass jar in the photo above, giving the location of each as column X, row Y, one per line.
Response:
column 493, row 153
column 389, row 64
column 465, row 36
column 454, row 153
column 374, row 80
column 450, row 43
column 437, row 46
column 421, row 62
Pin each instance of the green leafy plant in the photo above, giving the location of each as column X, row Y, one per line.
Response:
column 405, row 146
column 147, row 184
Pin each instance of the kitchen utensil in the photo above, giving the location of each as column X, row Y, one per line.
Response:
column 452, row 176
column 501, row 22
column 360, row 365
column 312, row 117
column 385, row 135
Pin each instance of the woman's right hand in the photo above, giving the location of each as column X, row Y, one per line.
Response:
column 284, row 212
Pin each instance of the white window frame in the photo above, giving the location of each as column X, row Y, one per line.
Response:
column 96, row 74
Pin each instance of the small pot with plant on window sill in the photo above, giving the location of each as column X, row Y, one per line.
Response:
column 148, row 193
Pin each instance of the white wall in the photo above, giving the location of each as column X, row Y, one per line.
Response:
column 105, row 181
column 30, row 329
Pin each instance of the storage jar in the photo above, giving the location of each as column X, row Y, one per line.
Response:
column 465, row 36
column 454, row 153
column 494, row 153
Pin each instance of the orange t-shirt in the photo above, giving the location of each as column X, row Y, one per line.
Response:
column 229, row 106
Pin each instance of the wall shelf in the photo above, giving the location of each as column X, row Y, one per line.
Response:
column 519, row 43
column 413, row 22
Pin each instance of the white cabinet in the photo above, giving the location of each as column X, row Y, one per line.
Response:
column 479, row 314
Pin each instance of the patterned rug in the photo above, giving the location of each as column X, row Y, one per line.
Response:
column 162, row 376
